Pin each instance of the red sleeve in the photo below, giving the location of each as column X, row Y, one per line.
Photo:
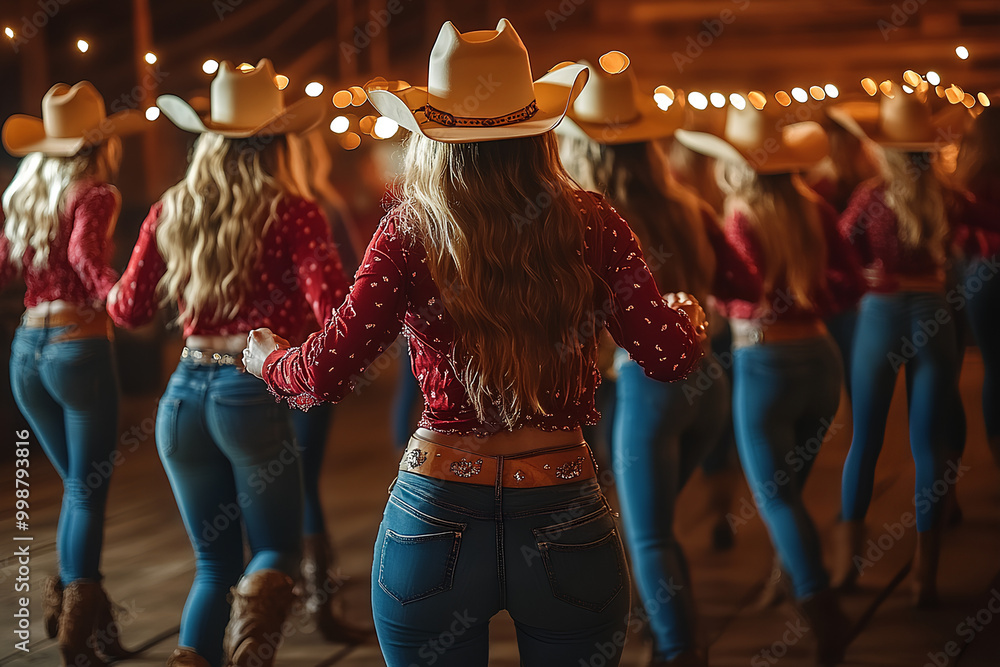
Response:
column 844, row 278
column 734, row 279
column 325, row 366
column 7, row 271
column 136, row 301
column 865, row 205
column 315, row 260
column 95, row 209
column 660, row 339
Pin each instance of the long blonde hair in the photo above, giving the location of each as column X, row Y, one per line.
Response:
column 504, row 236
column 36, row 197
column 914, row 193
column 213, row 221
column 784, row 214
column 664, row 215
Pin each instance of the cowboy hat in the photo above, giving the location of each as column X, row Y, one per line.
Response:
column 762, row 140
column 72, row 117
column 611, row 110
column 899, row 120
column 479, row 88
column 245, row 103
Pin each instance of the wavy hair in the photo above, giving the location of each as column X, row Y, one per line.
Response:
column 663, row 214
column 213, row 221
column 504, row 236
column 784, row 213
column 915, row 194
column 36, row 197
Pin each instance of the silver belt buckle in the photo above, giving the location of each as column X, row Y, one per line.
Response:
column 756, row 335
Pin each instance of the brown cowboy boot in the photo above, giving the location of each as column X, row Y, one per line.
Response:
column 52, row 602
column 848, row 539
column 319, row 590
column 186, row 657
column 76, row 624
column 925, row 567
column 831, row 629
column 261, row 601
column 107, row 633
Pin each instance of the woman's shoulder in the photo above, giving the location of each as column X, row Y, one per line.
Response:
column 92, row 194
column 296, row 210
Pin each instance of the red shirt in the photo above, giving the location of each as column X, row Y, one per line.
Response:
column 394, row 290
column 298, row 271
column 77, row 270
column 842, row 286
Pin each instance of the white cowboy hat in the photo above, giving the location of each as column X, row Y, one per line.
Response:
column 611, row 110
column 72, row 117
column 245, row 103
column 762, row 140
column 479, row 88
column 900, row 120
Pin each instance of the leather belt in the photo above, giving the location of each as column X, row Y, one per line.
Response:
column 208, row 357
column 90, row 324
column 752, row 332
column 547, row 467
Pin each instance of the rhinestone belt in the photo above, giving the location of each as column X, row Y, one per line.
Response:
column 207, row 357
column 548, row 467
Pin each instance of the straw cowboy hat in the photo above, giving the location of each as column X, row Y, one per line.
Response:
column 72, row 117
column 762, row 140
column 479, row 88
column 611, row 110
column 245, row 103
column 901, row 120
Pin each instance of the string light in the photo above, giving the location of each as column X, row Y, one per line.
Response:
column 663, row 96
column 869, row 85
column 245, row 67
column 738, row 101
column 718, row 100
column 886, row 88
column 613, row 62
column 9, row 32
column 799, row 94
column 82, row 45
column 962, row 52
column 912, row 78
column 933, row 78
column 367, row 124
column 342, row 98
column 314, row 89
column 358, row 95
column 831, row 90
column 150, row 58
column 698, row 100
column 340, row 124
column 350, row 141
column 817, row 93
column 757, row 99
column 152, row 113
column 281, row 81
column 385, row 128
column 210, row 66
column 969, row 101
column 782, row 98
column 984, row 99
column 907, row 89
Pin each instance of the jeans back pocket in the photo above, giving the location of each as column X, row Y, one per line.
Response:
column 584, row 561
column 418, row 553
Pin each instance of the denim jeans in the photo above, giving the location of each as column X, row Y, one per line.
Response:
column 448, row 556
column 785, row 396
column 231, row 458
column 311, row 429
column 68, row 392
column 982, row 289
column 662, row 431
column 915, row 330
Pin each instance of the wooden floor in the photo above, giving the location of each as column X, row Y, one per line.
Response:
column 148, row 562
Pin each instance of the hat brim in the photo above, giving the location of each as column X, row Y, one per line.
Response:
column 297, row 118
column 861, row 120
column 24, row 134
column 803, row 146
column 554, row 93
column 653, row 123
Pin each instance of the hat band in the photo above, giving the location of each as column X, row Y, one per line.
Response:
column 449, row 120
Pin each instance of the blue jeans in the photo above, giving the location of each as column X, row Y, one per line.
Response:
column 785, row 396
column 448, row 556
column 68, row 392
column 231, row 458
column 662, row 431
column 982, row 289
column 915, row 330
column 311, row 429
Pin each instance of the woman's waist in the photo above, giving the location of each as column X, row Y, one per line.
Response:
column 771, row 330
column 505, row 443
column 81, row 321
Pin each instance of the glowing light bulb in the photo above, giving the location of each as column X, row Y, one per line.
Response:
column 738, row 101
column 907, row 89
column 385, row 128
column 782, row 98
column 831, row 90
column 614, row 62
column 718, row 100
column 210, row 66
column 82, row 45
column 817, row 93
column 340, row 124
column 757, row 99
column 962, row 52
column 350, row 141
column 150, row 58
column 869, row 85
column 911, row 78
column 342, row 98
column 10, row 33
column 799, row 94
column 698, row 100
column 984, row 99
column 314, row 89
column 281, row 81
column 152, row 113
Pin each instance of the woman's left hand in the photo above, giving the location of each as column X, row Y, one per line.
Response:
column 260, row 344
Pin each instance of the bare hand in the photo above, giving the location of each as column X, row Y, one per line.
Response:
column 687, row 304
column 260, row 344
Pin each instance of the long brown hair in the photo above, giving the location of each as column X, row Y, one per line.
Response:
column 504, row 236
column 785, row 216
column 213, row 221
column 666, row 217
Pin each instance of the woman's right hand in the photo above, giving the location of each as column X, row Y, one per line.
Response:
column 687, row 304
